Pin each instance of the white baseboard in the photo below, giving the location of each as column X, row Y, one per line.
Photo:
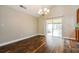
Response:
column 6, row 43
column 72, row 38
column 41, row 34
column 63, row 37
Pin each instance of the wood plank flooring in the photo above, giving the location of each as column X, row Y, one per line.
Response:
column 71, row 46
column 37, row 44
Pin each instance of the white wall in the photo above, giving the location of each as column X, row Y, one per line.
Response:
column 41, row 23
column 69, row 19
column 15, row 25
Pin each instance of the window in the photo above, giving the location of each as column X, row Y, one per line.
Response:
column 54, row 27
column 57, row 27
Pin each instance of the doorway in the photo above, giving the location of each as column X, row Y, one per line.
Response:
column 54, row 34
column 54, row 27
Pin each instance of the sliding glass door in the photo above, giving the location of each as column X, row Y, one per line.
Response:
column 49, row 29
column 54, row 27
column 54, row 34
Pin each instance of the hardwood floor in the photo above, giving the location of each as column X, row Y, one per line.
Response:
column 71, row 46
column 38, row 44
column 30, row 45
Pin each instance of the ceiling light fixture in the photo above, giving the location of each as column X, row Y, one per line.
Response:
column 44, row 11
